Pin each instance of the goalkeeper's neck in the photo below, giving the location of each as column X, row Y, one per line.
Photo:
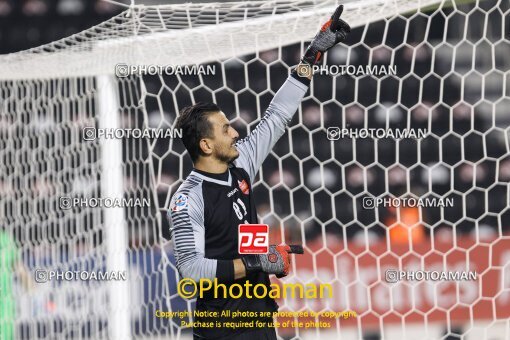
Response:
column 211, row 165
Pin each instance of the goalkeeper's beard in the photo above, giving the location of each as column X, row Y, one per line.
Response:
column 227, row 155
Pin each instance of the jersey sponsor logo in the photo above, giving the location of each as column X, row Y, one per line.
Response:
column 231, row 193
column 179, row 203
column 253, row 239
column 243, row 185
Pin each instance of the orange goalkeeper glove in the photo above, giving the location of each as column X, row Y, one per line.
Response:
column 276, row 261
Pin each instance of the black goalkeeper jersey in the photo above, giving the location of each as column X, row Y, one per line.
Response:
column 206, row 211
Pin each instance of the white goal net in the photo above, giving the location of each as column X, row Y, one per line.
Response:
column 393, row 175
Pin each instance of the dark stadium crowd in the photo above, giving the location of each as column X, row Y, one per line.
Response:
column 29, row 23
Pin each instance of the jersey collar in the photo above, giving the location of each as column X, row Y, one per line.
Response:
column 228, row 182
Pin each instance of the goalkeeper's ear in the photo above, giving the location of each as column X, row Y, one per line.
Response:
column 335, row 18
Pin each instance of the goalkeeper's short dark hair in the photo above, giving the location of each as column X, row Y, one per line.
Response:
column 194, row 124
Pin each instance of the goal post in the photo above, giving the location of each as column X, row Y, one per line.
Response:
column 393, row 175
column 112, row 186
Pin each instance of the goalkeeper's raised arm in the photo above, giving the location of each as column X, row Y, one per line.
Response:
column 255, row 148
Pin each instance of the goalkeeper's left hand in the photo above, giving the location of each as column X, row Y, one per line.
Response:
column 331, row 33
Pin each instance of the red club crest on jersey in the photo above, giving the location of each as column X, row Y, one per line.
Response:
column 243, row 185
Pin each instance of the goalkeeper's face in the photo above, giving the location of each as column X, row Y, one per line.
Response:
column 224, row 138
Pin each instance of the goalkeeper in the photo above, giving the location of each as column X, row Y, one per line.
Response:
column 217, row 196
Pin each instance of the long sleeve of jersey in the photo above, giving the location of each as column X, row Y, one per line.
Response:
column 256, row 146
column 187, row 230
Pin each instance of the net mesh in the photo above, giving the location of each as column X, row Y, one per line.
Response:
column 451, row 80
column 223, row 30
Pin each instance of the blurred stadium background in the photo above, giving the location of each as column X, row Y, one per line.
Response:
column 452, row 79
